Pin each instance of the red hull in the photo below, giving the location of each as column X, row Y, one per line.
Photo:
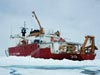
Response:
column 33, row 51
column 24, row 50
column 46, row 54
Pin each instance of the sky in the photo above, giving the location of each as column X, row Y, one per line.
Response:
column 73, row 18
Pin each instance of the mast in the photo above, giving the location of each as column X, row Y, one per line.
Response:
column 23, row 30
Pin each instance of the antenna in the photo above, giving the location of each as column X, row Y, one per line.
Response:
column 24, row 24
column 11, row 32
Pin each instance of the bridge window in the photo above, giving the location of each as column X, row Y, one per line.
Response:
column 37, row 41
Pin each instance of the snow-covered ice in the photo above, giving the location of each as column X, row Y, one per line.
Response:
column 35, row 66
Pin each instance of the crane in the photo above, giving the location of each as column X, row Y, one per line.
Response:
column 90, row 49
column 41, row 28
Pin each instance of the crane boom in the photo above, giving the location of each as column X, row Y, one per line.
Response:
column 41, row 29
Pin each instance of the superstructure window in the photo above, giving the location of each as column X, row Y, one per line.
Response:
column 36, row 41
